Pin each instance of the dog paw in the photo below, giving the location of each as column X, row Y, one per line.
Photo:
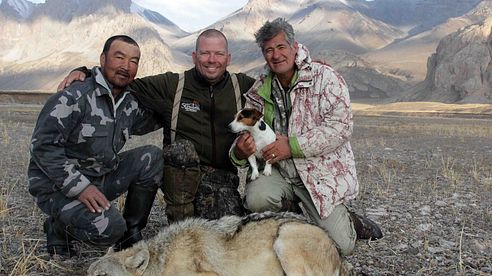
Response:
column 267, row 170
column 254, row 175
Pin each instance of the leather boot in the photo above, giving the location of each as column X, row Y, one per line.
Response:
column 58, row 239
column 138, row 204
column 365, row 228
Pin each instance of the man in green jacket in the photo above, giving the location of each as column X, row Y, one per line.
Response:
column 197, row 140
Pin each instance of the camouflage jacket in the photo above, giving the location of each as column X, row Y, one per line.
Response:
column 320, row 127
column 79, row 133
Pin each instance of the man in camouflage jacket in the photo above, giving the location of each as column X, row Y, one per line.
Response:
column 76, row 168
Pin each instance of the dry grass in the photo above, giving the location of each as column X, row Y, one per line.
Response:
column 429, row 108
column 426, row 181
column 428, row 184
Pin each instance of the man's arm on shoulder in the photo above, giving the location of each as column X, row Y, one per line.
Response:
column 77, row 74
column 153, row 92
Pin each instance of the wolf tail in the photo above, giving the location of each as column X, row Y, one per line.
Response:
column 273, row 215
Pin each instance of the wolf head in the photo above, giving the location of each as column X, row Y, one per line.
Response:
column 131, row 261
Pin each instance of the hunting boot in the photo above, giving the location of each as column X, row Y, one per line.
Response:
column 365, row 228
column 181, row 179
column 138, row 204
column 58, row 239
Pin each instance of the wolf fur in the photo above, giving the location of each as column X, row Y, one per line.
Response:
column 258, row 244
column 251, row 120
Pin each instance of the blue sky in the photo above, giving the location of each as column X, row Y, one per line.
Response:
column 190, row 15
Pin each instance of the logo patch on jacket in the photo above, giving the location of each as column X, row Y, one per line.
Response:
column 193, row 106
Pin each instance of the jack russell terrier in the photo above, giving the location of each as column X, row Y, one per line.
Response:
column 251, row 120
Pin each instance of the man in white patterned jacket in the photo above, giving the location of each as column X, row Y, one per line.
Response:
column 307, row 104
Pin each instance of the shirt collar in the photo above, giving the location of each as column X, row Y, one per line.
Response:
column 101, row 80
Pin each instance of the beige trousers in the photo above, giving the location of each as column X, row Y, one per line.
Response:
column 266, row 192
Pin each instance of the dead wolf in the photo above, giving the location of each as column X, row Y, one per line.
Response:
column 257, row 244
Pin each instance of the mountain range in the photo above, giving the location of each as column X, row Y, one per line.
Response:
column 387, row 50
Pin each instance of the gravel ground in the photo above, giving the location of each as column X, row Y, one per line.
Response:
column 426, row 181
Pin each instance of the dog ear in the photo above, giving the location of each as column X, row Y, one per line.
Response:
column 246, row 113
column 138, row 262
column 257, row 114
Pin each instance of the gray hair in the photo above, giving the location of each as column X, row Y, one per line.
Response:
column 270, row 29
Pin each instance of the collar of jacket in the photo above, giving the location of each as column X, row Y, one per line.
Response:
column 101, row 80
column 304, row 65
column 203, row 81
column 265, row 91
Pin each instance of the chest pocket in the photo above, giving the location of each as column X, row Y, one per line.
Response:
column 95, row 140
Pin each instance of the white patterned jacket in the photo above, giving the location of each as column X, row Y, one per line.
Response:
column 320, row 127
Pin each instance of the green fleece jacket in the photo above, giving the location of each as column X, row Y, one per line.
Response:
column 205, row 111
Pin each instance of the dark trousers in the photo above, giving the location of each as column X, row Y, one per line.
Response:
column 141, row 166
column 191, row 189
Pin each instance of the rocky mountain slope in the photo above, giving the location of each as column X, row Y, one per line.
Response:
column 425, row 23
column 381, row 47
column 35, row 52
column 332, row 30
column 16, row 9
column 391, row 39
column 461, row 68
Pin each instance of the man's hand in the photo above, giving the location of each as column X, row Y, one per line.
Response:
column 94, row 199
column 73, row 76
column 245, row 146
column 278, row 150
